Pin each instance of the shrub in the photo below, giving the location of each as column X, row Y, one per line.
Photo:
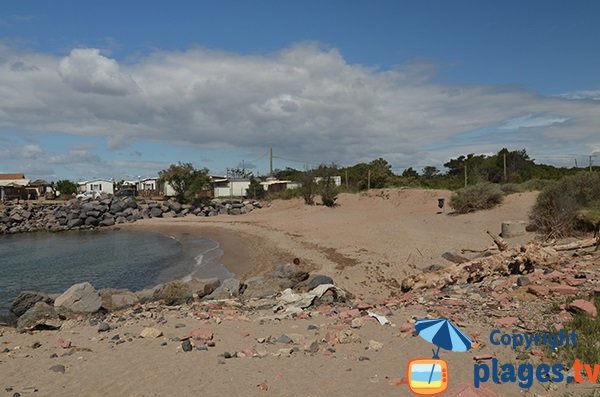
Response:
column 286, row 194
column 476, row 197
column 559, row 207
column 328, row 192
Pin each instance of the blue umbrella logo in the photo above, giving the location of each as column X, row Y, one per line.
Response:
column 443, row 334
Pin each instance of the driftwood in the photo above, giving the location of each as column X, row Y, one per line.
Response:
column 499, row 241
column 590, row 242
column 520, row 260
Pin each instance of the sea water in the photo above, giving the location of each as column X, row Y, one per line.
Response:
column 52, row 262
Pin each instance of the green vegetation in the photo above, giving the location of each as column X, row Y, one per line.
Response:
column 255, row 190
column 65, row 186
column 588, row 334
column 187, row 181
column 568, row 205
column 476, row 197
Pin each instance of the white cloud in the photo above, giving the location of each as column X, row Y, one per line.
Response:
column 87, row 71
column 306, row 102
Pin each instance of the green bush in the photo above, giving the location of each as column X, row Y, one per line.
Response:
column 561, row 208
column 286, row 194
column 328, row 192
column 476, row 197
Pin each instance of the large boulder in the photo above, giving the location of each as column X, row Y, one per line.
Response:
column 80, row 298
column 260, row 287
column 115, row 299
column 25, row 301
column 39, row 316
column 173, row 293
column 202, row 287
column 229, row 288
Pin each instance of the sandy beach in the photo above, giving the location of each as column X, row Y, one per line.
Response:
column 367, row 244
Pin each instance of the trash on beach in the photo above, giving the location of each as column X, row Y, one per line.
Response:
column 381, row 318
column 289, row 298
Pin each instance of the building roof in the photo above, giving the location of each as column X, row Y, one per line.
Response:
column 14, row 182
column 275, row 182
column 39, row 182
column 12, row 176
column 95, row 180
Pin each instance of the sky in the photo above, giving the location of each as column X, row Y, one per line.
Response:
column 121, row 90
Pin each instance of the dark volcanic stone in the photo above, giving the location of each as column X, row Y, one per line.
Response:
column 186, row 345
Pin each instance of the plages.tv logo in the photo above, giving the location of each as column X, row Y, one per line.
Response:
column 430, row 376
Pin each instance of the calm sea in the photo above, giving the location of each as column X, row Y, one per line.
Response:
column 52, row 262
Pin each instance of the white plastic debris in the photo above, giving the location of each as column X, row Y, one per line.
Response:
column 381, row 318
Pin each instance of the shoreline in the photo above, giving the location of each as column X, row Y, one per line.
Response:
column 245, row 255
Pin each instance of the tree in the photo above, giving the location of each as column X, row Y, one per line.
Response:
column 410, row 173
column 326, row 186
column 309, row 187
column 430, row 172
column 65, row 186
column 185, row 180
column 238, row 173
column 255, row 189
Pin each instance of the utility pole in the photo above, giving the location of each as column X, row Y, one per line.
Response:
column 590, row 156
column 576, row 163
column 346, row 179
column 369, row 180
column 465, row 174
column 270, row 161
column 505, row 178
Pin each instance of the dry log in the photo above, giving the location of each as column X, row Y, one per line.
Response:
column 513, row 261
column 590, row 242
column 499, row 241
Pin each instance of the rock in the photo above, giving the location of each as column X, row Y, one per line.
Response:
column 229, row 288
column 357, row 322
column 174, row 293
column 583, row 306
column 454, row 258
column 374, row 345
column 107, row 222
column 80, row 298
column 201, row 335
column 150, row 333
column 186, row 345
column 25, row 301
column 103, row 327
column 114, row 299
column 58, row 368
column 317, row 280
column 522, row 281
column 507, row 322
column 284, row 339
column 40, row 316
column 156, row 212
column 260, row 287
column 203, row 287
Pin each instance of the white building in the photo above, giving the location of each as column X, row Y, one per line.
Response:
column 337, row 180
column 230, row 187
column 97, row 185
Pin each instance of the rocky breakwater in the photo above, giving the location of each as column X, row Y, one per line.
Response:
column 76, row 214
column 287, row 289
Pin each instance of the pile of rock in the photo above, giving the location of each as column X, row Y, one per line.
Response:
column 77, row 214
column 37, row 310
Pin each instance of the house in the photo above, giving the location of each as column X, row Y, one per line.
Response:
column 97, row 185
column 230, row 187
column 40, row 188
column 13, row 186
column 337, row 180
column 272, row 185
